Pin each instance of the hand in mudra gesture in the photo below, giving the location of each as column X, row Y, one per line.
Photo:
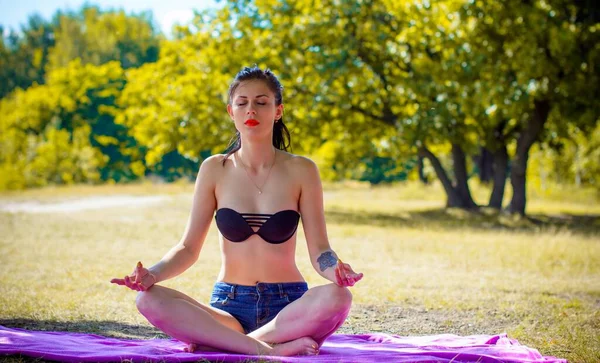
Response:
column 140, row 280
column 345, row 275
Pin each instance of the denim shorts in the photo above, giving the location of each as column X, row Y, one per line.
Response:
column 254, row 306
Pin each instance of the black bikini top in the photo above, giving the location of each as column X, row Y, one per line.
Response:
column 273, row 228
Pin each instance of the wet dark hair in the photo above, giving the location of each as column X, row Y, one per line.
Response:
column 281, row 134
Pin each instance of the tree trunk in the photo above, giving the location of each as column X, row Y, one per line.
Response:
column 500, row 173
column 422, row 176
column 519, row 166
column 454, row 199
column 460, row 173
column 484, row 162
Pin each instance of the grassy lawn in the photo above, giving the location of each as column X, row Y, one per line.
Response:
column 427, row 270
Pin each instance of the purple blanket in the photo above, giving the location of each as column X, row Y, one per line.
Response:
column 77, row 347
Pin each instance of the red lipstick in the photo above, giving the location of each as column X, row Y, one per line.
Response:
column 251, row 122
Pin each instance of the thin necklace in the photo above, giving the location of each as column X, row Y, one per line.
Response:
column 268, row 174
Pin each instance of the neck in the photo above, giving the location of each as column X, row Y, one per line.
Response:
column 256, row 156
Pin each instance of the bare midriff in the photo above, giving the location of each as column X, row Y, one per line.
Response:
column 254, row 260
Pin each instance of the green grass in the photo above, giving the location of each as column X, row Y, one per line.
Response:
column 428, row 270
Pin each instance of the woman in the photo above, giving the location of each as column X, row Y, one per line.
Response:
column 260, row 303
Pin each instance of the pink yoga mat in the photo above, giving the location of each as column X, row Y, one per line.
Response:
column 379, row 348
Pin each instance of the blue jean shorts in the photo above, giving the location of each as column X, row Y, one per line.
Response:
column 254, row 306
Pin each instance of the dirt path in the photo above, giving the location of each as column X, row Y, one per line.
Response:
column 81, row 204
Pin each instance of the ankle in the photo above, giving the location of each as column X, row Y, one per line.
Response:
column 264, row 348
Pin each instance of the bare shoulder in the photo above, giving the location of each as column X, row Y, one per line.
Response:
column 214, row 160
column 302, row 167
column 212, row 166
column 296, row 161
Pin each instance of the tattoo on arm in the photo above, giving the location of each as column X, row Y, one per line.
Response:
column 326, row 260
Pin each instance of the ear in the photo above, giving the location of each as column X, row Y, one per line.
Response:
column 230, row 111
column 279, row 112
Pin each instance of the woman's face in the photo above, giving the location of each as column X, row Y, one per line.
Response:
column 253, row 108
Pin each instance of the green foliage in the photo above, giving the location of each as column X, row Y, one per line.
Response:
column 97, row 37
column 61, row 157
column 91, row 35
column 574, row 161
column 383, row 170
column 64, row 131
column 35, row 152
column 367, row 84
column 178, row 103
column 24, row 57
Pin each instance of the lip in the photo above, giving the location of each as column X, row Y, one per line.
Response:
column 251, row 122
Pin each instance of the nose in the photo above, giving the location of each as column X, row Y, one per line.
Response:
column 251, row 111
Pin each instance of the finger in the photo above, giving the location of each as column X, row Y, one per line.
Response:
column 130, row 286
column 117, row 281
column 138, row 272
column 343, row 275
column 355, row 278
column 128, row 282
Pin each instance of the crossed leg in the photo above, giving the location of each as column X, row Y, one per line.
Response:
column 317, row 314
column 189, row 321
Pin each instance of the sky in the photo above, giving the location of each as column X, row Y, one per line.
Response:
column 13, row 13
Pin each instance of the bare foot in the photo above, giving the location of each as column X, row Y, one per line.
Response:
column 301, row 346
column 192, row 347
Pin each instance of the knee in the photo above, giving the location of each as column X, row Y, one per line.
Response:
column 335, row 299
column 147, row 302
column 142, row 301
column 343, row 297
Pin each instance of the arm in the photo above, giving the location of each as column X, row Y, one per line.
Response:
column 323, row 258
column 186, row 252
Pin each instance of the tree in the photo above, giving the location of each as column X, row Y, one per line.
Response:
column 97, row 37
column 366, row 69
column 24, row 56
column 177, row 106
column 64, row 131
column 92, row 35
column 545, row 48
column 34, row 151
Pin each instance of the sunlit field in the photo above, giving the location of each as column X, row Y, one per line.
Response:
column 427, row 270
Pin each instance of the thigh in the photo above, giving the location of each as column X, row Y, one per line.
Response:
column 241, row 306
column 278, row 296
column 301, row 304
column 221, row 316
column 287, row 325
